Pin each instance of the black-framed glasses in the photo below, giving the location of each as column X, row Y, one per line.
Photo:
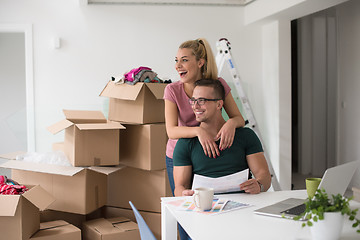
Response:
column 201, row 101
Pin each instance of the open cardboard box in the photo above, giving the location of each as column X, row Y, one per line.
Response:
column 72, row 218
column 143, row 188
column 113, row 228
column 140, row 103
column 76, row 190
column 20, row 214
column 153, row 220
column 143, row 146
column 57, row 230
column 90, row 140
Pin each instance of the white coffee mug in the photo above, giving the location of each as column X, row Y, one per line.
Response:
column 203, row 198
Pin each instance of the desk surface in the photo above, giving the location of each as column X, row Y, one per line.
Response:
column 242, row 222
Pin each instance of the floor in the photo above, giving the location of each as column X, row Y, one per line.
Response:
column 298, row 181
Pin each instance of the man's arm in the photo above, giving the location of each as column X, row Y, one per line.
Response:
column 258, row 166
column 182, row 180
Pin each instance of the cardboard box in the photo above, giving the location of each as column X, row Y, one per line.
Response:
column 58, row 146
column 90, row 140
column 20, row 214
column 11, row 155
column 71, row 218
column 57, row 230
column 140, row 103
column 143, row 146
column 153, row 220
column 76, row 190
column 143, row 188
column 115, row 228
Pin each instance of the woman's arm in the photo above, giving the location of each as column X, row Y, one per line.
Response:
column 171, row 123
column 175, row 132
column 227, row 132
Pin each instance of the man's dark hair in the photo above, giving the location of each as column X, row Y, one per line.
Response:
column 215, row 84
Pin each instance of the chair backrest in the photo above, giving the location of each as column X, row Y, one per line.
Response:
column 145, row 232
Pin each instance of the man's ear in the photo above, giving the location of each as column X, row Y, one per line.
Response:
column 220, row 104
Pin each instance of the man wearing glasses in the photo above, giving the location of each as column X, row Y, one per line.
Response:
column 245, row 152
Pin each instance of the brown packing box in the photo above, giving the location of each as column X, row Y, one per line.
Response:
column 58, row 146
column 11, row 155
column 20, row 215
column 57, row 230
column 76, row 190
column 153, row 220
column 72, row 218
column 143, row 188
column 140, row 103
column 143, row 146
column 90, row 140
column 110, row 229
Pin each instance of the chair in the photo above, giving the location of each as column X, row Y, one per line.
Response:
column 145, row 232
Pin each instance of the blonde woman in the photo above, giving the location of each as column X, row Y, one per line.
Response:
column 194, row 60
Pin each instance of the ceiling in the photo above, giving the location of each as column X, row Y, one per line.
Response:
column 172, row 2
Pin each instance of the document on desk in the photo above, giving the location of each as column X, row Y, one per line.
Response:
column 219, row 205
column 225, row 184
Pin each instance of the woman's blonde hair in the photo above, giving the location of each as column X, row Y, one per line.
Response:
column 201, row 49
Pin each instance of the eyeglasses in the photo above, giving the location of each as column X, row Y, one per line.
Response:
column 201, row 101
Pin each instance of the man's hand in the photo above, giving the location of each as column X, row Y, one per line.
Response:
column 250, row 186
column 187, row 192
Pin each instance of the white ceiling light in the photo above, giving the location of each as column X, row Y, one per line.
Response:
column 171, row 2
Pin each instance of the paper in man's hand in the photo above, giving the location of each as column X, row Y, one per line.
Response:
column 225, row 184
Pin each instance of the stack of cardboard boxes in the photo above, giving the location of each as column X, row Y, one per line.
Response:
column 143, row 177
column 114, row 161
column 79, row 192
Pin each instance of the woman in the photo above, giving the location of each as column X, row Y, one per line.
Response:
column 195, row 60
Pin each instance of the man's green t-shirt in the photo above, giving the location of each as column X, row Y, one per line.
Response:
column 188, row 151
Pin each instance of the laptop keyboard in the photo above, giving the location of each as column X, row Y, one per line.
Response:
column 297, row 210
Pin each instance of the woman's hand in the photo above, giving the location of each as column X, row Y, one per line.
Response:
column 207, row 142
column 226, row 135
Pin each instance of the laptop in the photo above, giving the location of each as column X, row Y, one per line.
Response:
column 334, row 181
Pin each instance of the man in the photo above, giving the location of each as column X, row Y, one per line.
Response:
column 245, row 152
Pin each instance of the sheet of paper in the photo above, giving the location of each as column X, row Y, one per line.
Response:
column 225, row 184
column 219, row 206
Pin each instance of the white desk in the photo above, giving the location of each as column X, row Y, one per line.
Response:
column 241, row 223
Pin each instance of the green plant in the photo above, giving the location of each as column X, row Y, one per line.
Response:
column 321, row 203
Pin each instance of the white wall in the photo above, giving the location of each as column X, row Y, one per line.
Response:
column 349, row 84
column 99, row 41
column 270, row 20
column 269, row 91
